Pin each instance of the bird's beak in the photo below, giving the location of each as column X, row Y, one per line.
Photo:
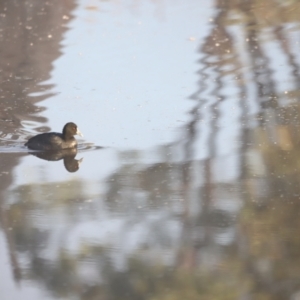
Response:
column 79, row 133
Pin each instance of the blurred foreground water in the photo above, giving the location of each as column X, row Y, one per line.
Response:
column 186, row 184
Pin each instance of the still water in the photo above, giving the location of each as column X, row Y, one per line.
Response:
column 186, row 182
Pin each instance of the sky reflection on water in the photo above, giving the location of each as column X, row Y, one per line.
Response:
column 131, row 75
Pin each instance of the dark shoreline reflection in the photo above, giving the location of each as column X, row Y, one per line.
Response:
column 68, row 155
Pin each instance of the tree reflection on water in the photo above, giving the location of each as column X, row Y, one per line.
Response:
column 178, row 230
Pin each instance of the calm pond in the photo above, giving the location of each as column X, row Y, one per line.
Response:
column 186, row 184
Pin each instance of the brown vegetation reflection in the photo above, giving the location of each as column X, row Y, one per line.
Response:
column 250, row 251
column 30, row 35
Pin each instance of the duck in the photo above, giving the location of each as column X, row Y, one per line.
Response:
column 54, row 140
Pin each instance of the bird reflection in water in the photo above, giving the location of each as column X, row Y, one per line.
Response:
column 68, row 155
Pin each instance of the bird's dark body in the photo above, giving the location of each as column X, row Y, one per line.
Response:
column 55, row 140
column 51, row 141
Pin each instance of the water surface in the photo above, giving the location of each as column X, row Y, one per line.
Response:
column 185, row 185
